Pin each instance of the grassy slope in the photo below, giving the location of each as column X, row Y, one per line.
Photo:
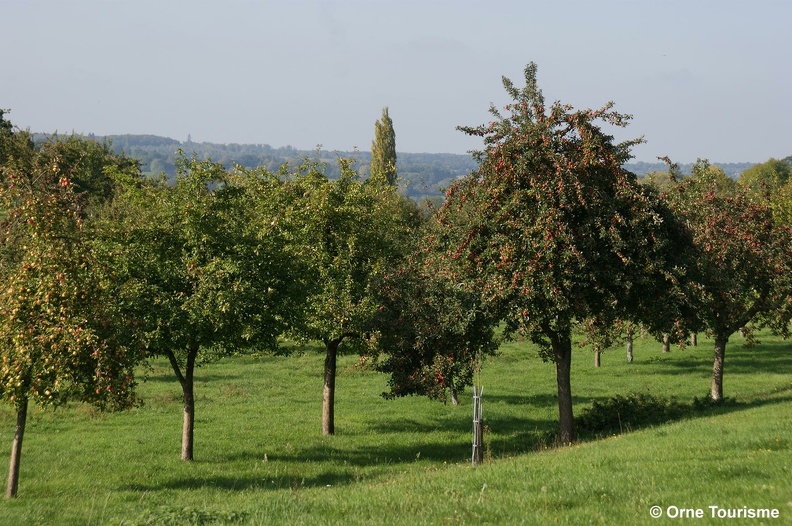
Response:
column 260, row 454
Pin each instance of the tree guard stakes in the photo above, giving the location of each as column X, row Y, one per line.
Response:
column 478, row 426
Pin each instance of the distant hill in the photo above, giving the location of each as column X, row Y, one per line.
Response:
column 421, row 174
column 641, row 168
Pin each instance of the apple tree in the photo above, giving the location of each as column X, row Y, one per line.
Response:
column 198, row 281
column 741, row 263
column 57, row 337
column 551, row 229
column 348, row 234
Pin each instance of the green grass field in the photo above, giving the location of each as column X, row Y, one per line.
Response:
column 260, row 457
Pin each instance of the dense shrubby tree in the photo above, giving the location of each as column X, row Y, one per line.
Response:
column 661, row 181
column 781, row 203
column 199, row 281
column 551, row 229
column 6, row 128
column 88, row 163
column 438, row 332
column 704, row 173
column 16, row 146
column 57, row 338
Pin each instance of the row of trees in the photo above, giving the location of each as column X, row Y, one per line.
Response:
column 104, row 268
column 555, row 234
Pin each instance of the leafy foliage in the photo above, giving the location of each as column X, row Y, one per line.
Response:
column 348, row 234
column 438, row 333
column 197, row 279
column 88, row 164
column 58, row 337
column 196, row 272
column 767, row 177
column 741, row 259
column 54, row 331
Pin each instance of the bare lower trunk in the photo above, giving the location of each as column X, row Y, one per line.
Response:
column 694, row 339
column 186, row 380
column 16, row 450
column 454, row 395
column 666, row 343
column 597, row 358
column 328, row 399
column 562, row 355
column 717, row 368
column 188, row 423
column 629, row 347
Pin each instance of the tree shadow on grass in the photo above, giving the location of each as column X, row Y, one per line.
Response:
column 537, row 400
column 447, row 441
column 169, row 377
column 767, row 356
column 293, row 481
column 620, row 414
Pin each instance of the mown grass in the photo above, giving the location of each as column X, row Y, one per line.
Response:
column 260, row 457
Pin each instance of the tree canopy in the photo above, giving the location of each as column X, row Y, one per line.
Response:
column 348, row 234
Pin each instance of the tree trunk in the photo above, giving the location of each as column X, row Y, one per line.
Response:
column 694, row 339
column 188, row 422
column 597, row 358
column 454, row 396
column 629, row 347
column 186, row 380
column 717, row 367
column 453, row 390
column 328, row 400
column 16, row 450
column 666, row 343
column 562, row 355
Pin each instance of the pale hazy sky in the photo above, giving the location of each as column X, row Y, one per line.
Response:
column 709, row 79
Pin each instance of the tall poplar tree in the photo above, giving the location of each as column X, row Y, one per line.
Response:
column 383, row 150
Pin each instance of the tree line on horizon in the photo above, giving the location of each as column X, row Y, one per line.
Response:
column 421, row 175
column 105, row 267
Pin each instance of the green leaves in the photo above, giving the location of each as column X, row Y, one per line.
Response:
column 196, row 266
column 55, row 333
column 741, row 260
column 347, row 234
